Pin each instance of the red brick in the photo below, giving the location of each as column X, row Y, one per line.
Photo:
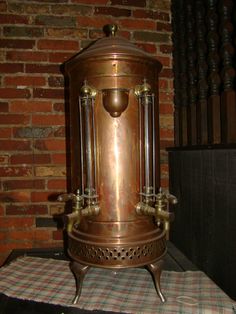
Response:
column 32, row 235
column 50, row 171
column 56, row 81
column 22, row 31
column 27, row 56
column 166, row 73
column 60, row 132
column 151, row 14
column 163, row 84
column 3, row 6
column 11, row 67
column 87, row 21
column 8, row 247
column 40, row 196
column 5, row 132
column 11, row 197
column 26, row 209
column 164, row 27
column 3, row 236
column 57, row 184
column 59, row 158
column 164, row 183
column 42, row 68
column 171, row 84
column 59, row 21
column 32, row 132
column 17, row 43
column 150, row 48
column 60, row 56
column 4, row 107
column 48, row 119
column 48, row 93
column 15, row 171
column 24, row 81
column 164, row 168
column 50, row 144
column 112, row 11
column 50, row 244
column 14, row 119
column 23, row 184
column 90, row 1
column 60, row 107
column 14, row 93
column 13, row 19
column 2, row 210
column 166, row 48
column 12, row 145
column 4, row 159
column 67, row 33
column 166, row 108
column 57, row 235
column 130, row 3
column 30, row 106
column 166, row 133
column 50, row 44
column 165, row 61
column 166, row 143
column 137, row 24
column 165, row 97
column 30, row 159
column 154, row 36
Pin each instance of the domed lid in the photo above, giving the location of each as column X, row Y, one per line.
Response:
column 111, row 45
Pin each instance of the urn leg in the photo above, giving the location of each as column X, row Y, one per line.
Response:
column 155, row 269
column 79, row 271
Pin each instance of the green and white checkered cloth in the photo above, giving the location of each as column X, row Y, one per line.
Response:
column 127, row 290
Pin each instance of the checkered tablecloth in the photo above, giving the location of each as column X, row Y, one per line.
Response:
column 128, row 290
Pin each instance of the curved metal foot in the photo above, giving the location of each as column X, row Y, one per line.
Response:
column 79, row 271
column 155, row 270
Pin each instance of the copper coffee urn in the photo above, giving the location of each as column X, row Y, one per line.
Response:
column 120, row 216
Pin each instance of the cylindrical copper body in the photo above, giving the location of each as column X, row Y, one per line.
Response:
column 117, row 236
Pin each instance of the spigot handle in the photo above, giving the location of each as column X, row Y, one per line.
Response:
column 74, row 217
column 171, row 199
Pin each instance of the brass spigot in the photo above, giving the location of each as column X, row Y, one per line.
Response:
column 162, row 209
column 92, row 208
column 77, row 206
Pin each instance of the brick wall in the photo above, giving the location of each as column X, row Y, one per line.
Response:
column 36, row 38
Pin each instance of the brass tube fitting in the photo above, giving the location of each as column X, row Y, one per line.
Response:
column 91, row 210
column 145, row 209
column 77, row 209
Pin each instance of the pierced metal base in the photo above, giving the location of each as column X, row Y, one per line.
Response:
column 80, row 271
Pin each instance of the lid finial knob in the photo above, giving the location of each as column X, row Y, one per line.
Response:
column 110, row 29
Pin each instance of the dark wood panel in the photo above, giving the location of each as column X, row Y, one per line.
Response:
column 204, row 229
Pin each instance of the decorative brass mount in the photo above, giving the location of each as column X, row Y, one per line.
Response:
column 88, row 91
column 160, row 211
column 78, row 209
column 143, row 89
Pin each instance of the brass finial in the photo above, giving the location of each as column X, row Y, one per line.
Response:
column 87, row 90
column 110, row 29
column 142, row 89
